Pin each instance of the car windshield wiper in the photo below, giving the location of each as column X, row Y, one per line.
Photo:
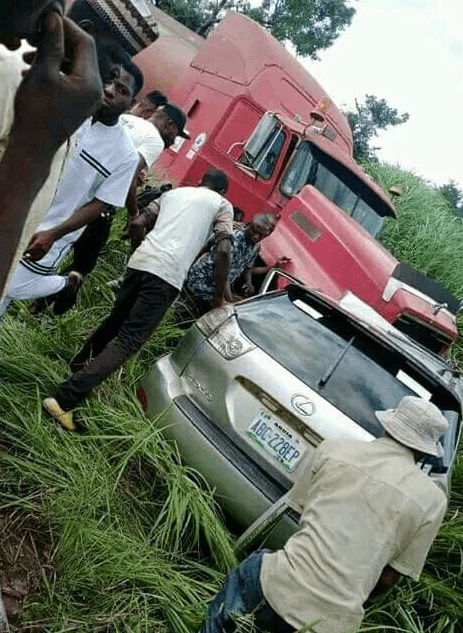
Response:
column 332, row 368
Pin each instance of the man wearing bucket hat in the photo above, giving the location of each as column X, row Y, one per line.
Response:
column 370, row 514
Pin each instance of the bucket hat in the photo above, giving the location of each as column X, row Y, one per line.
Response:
column 130, row 20
column 416, row 423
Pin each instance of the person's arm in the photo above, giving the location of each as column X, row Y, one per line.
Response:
column 247, row 285
column 42, row 241
column 222, row 268
column 131, row 202
column 50, row 104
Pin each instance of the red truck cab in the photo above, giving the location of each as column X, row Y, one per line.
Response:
column 256, row 113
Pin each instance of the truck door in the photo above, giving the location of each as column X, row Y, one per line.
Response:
column 252, row 146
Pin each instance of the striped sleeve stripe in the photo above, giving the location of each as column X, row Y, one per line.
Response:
column 95, row 164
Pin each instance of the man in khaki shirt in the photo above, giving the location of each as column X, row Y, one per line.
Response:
column 370, row 514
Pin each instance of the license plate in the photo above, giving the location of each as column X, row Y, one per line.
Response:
column 281, row 442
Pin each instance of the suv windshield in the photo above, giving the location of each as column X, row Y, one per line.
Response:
column 311, row 166
column 353, row 371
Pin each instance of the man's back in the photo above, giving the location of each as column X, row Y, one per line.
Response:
column 368, row 506
column 185, row 220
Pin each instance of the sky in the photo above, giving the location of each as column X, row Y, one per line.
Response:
column 409, row 52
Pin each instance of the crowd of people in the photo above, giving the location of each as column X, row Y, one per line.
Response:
column 75, row 147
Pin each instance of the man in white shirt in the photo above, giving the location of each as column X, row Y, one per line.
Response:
column 51, row 105
column 100, row 173
column 370, row 514
column 149, row 137
column 156, row 272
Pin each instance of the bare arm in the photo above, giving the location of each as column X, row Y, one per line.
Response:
column 42, row 241
column 221, row 271
column 131, row 202
column 51, row 103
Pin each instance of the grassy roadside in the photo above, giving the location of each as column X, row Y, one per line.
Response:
column 108, row 531
column 131, row 538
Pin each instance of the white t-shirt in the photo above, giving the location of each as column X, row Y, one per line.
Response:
column 187, row 216
column 102, row 168
column 11, row 66
column 368, row 505
column 145, row 137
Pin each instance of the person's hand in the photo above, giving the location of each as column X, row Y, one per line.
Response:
column 248, row 289
column 40, row 244
column 60, row 89
column 136, row 229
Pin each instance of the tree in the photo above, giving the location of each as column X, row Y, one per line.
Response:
column 454, row 195
column 192, row 14
column 310, row 26
column 368, row 117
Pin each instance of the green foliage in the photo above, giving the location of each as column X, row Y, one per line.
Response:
column 134, row 538
column 309, row 26
column 426, row 235
column 454, row 196
column 368, row 117
column 192, row 13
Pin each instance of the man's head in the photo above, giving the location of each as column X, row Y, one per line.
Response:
column 130, row 22
column 23, row 18
column 147, row 106
column 260, row 226
column 417, row 424
column 170, row 122
column 120, row 87
column 216, row 180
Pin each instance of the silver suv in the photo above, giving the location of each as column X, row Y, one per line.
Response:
column 253, row 388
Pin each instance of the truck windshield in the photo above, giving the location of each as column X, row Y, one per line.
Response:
column 311, row 166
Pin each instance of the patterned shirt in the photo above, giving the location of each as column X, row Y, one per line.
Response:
column 201, row 276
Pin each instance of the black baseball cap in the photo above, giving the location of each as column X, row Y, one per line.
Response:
column 178, row 117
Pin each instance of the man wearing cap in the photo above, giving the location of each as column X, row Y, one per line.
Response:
column 147, row 105
column 370, row 514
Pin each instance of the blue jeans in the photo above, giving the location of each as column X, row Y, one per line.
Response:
column 241, row 594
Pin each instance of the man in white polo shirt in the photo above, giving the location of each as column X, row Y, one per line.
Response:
column 370, row 514
column 156, row 272
column 100, row 173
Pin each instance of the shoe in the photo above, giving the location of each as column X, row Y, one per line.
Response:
column 52, row 407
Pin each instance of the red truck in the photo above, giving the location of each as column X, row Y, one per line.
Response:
column 256, row 113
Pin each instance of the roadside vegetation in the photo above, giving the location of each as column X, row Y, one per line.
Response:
column 106, row 531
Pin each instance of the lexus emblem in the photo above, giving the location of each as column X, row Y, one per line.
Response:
column 302, row 404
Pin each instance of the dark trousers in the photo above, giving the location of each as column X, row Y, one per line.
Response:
column 142, row 301
column 241, row 594
column 86, row 250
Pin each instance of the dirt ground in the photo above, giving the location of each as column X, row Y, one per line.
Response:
column 24, row 557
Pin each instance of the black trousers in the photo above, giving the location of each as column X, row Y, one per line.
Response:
column 86, row 251
column 142, row 301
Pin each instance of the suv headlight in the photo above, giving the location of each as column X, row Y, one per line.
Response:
column 222, row 331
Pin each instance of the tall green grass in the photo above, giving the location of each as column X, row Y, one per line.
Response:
column 129, row 538
column 135, row 539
